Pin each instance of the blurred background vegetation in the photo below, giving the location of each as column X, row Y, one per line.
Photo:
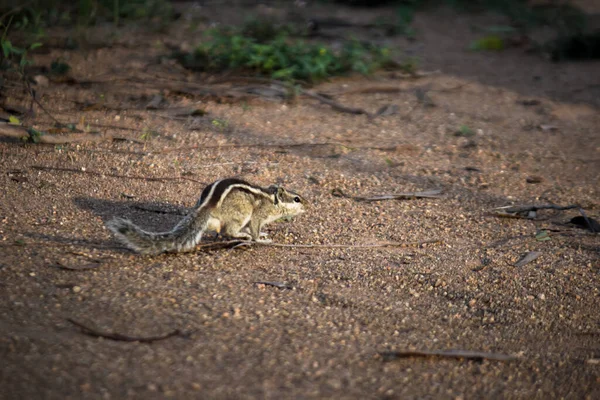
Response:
column 281, row 49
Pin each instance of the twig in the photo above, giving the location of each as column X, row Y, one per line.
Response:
column 20, row 132
column 587, row 220
column 232, row 244
column 455, row 353
column 396, row 196
column 96, row 173
column 35, row 99
column 274, row 145
column 394, row 89
column 124, row 128
column 532, row 207
column 120, row 337
column 335, row 105
column 279, row 285
column 93, row 265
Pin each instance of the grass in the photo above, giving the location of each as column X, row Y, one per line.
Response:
column 37, row 14
column 23, row 26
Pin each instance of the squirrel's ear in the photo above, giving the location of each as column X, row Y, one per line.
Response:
column 278, row 194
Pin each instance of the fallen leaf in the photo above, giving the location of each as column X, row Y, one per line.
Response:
column 548, row 128
column 527, row 258
column 542, row 236
column 534, row 179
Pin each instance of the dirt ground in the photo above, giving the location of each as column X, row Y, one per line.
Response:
column 322, row 334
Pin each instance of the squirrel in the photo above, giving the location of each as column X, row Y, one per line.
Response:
column 232, row 207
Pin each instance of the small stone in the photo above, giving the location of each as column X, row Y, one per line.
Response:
column 541, row 296
column 41, row 80
column 76, row 289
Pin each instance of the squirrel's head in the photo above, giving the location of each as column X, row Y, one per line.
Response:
column 289, row 202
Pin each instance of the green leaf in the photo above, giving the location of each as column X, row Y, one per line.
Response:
column 465, row 131
column 24, row 61
column 34, row 135
column 14, row 120
column 490, row 42
column 17, row 50
column 6, row 48
column 35, row 45
column 542, row 236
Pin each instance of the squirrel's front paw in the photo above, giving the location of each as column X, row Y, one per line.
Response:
column 264, row 241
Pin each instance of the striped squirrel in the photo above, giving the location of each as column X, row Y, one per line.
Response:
column 232, row 207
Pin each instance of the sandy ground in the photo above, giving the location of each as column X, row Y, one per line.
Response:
column 535, row 141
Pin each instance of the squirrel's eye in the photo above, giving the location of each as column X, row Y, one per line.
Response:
column 297, row 199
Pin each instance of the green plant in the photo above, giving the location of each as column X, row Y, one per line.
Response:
column 148, row 134
column 490, row 42
column 14, row 56
column 264, row 30
column 35, row 15
column 409, row 65
column 464, row 131
column 282, row 57
column 404, row 17
column 564, row 18
column 34, row 135
column 220, row 125
column 58, row 67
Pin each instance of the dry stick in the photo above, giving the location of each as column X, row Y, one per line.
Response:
column 125, row 128
column 394, row 89
column 396, row 196
column 531, row 207
column 279, row 285
column 238, row 146
column 269, row 145
column 465, row 354
column 334, row 104
column 587, row 221
column 120, row 337
column 20, row 132
column 145, row 178
column 93, row 265
column 35, row 99
column 242, row 243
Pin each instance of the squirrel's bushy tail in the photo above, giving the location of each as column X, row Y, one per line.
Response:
column 184, row 237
